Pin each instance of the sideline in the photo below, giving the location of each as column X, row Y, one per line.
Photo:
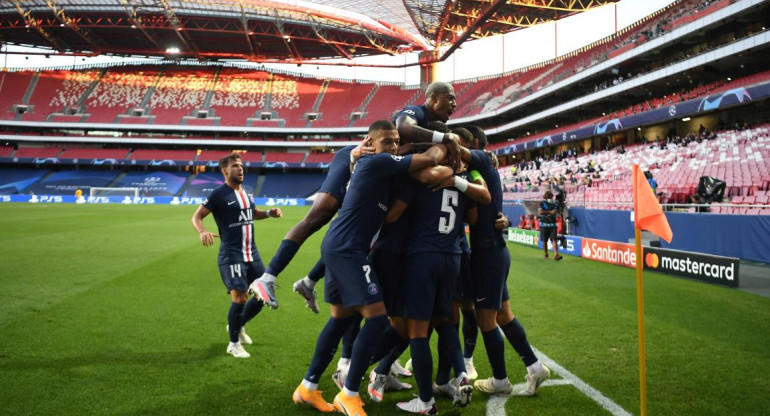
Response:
column 496, row 403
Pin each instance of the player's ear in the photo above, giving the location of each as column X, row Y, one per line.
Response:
column 368, row 140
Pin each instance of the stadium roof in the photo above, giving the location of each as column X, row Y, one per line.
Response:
column 268, row 30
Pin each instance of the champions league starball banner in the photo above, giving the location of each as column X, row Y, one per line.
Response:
column 718, row 101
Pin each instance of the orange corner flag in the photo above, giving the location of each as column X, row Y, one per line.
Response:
column 648, row 215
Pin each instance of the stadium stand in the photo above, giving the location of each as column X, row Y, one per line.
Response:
column 43, row 101
column 239, row 95
column 13, row 86
column 153, row 183
column 121, row 91
column 17, row 180
column 339, row 100
column 6, row 151
column 288, row 157
column 38, row 152
column 320, row 157
column 179, row 93
column 66, row 182
column 94, row 154
column 740, row 158
column 291, row 184
column 386, row 100
column 151, row 154
column 292, row 98
column 204, row 183
column 212, row 155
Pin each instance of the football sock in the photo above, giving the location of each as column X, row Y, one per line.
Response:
column 470, row 331
column 282, row 257
column 363, row 348
column 422, row 364
column 449, row 341
column 326, row 346
column 390, row 339
column 316, row 273
column 349, row 337
column 443, row 369
column 495, row 346
column 385, row 363
column 518, row 339
column 310, row 385
column 251, row 309
column 234, row 320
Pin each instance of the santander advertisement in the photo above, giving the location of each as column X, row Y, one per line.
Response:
column 609, row 252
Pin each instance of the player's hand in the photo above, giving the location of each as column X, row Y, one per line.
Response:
column 493, row 158
column 275, row 213
column 363, row 148
column 207, row 238
column 501, row 223
column 452, row 142
column 444, row 183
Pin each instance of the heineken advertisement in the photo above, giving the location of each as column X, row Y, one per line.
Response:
column 526, row 237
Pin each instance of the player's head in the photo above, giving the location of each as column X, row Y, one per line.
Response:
column 383, row 136
column 466, row 137
column 232, row 168
column 480, row 138
column 548, row 195
column 440, row 101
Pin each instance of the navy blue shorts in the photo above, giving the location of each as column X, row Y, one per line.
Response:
column 336, row 182
column 390, row 273
column 464, row 285
column 489, row 268
column 429, row 285
column 238, row 276
column 350, row 281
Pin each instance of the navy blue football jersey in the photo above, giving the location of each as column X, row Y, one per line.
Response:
column 417, row 112
column 233, row 212
column 438, row 218
column 365, row 204
column 394, row 237
column 336, row 182
column 484, row 234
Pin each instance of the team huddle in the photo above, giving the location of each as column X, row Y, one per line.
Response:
column 395, row 257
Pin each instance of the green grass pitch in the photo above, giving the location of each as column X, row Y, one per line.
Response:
column 119, row 310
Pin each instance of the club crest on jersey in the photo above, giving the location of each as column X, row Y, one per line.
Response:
column 372, row 288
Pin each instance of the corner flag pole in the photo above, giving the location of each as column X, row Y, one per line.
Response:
column 640, row 299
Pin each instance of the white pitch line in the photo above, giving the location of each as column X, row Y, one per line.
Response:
column 496, row 403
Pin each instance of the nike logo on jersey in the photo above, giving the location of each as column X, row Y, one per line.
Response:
column 480, row 300
column 231, row 202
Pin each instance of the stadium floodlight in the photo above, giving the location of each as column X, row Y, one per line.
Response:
column 172, row 50
column 131, row 193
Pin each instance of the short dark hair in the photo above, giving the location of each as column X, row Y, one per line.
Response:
column 437, row 87
column 381, row 125
column 464, row 134
column 228, row 160
column 479, row 135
